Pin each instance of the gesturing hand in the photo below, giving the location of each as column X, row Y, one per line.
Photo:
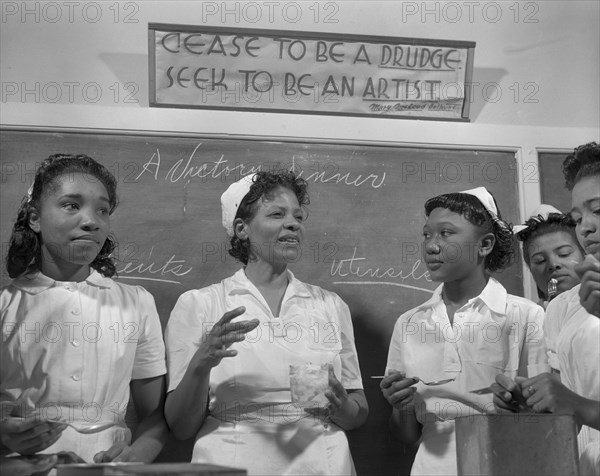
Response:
column 215, row 344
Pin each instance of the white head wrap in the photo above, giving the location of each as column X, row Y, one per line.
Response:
column 231, row 199
column 485, row 198
column 542, row 211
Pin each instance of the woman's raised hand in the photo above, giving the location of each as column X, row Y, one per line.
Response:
column 215, row 344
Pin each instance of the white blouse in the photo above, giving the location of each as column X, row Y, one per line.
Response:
column 253, row 422
column 70, row 350
column 573, row 337
column 492, row 333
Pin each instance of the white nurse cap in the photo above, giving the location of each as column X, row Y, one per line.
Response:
column 231, row 199
column 540, row 212
column 485, row 198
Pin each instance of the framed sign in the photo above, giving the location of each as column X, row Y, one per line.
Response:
column 309, row 73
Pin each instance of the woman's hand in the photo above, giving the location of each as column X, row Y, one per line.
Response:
column 119, row 452
column 546, row 393
column 508, row 394
column 347, row 409
column 400, row 394
column 589, row 292
column 27, row 465
column 215, row 345
column 27, row 436
column 339, row 403
column 399, row 391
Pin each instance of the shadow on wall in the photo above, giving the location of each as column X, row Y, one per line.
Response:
column 132, row 72
column 486, row 89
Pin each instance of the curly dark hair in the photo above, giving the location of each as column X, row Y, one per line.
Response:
column 475, row 213
column 24, row 250
column 583, row 162
column 539, row 226
column 264, row 183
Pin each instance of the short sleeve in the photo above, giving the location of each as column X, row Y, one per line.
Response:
column 150, row 351
column 534, row 358
column 395, row 360
column 186, row 326
column 351, row 377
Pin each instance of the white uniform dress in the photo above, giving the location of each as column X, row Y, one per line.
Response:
column 253, row 423
column 573, row 338
column 70, row 349
column 493, row 333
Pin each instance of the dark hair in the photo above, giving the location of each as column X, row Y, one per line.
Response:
column 539, row 226
column 24, row 251
column 583, row 162
column 475, row 213
column 264, row 183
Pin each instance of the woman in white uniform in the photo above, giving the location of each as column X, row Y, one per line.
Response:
column 550, row 250
column 229, row 379
column 572, row 325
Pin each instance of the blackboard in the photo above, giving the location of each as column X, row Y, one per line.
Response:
column 363, row 231
column 552, row 180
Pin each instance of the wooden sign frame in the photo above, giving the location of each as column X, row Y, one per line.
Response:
column 202, row 67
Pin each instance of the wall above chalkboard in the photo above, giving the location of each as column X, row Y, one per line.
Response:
column 363, row 237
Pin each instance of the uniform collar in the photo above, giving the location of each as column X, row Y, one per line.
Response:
column 35, row 283
column 240, row 284
column 493, row 296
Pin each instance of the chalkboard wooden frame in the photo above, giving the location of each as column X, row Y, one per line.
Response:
column 374, row 306
column 552, row 182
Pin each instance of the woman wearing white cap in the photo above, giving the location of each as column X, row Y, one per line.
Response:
column 572, row 325
column 468, row 332
column 236, row 399
column 551, row 251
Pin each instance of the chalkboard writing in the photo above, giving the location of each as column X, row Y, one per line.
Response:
column 212, row 67
column 363, row 237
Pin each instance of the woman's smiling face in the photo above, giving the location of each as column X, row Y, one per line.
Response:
column 277, row 229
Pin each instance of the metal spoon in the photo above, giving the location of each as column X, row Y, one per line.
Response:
column 430, row 384
column 435, row 382
column 87, row 430
column 552, row 288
